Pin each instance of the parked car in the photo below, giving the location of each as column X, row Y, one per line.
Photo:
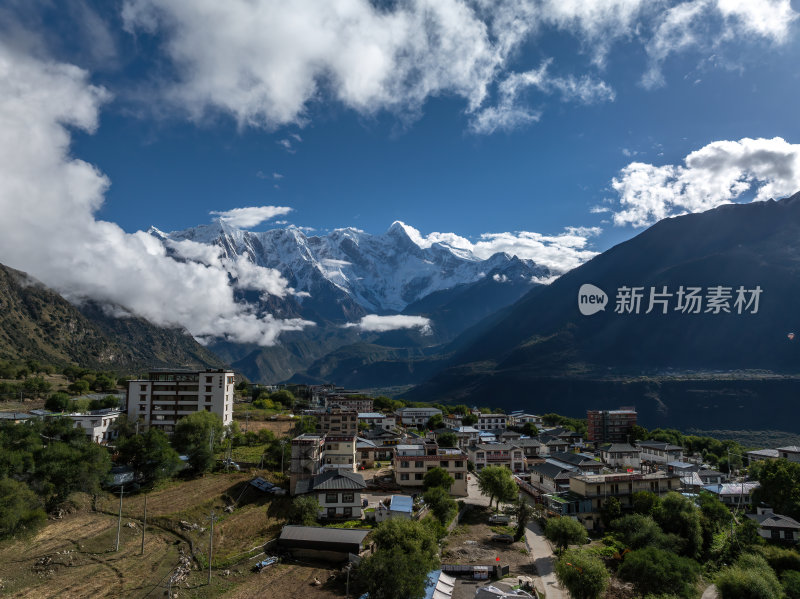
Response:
column 499, row 519
column 229, row 463
column 265, row 563
column 503, row 539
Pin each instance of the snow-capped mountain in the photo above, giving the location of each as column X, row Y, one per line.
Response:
column 380, row 273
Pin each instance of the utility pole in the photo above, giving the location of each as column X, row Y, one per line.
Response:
column 283, row 446
column 119, row 522
column 211, row 545
column 246, row 419
column 347, row 587
column 144, row 521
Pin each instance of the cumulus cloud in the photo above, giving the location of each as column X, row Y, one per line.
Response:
column 373, row 323
column 48, row 199
column 559, row 253
column 718, row 173
column 267, row 62
column 245, row 218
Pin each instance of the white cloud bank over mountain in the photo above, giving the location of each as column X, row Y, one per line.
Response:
column 374, row 323
column 48, row 201
column 559, row 253
column 718, row 173
column 266, row 62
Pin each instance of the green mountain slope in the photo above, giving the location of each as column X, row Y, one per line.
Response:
column 36, row 322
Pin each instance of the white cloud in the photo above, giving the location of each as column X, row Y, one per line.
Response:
column 706, row 24
column 380, row 324
column 559, row 253
column 48, row 200
column 266, row 62
column 511, row 112
column 718, row 173
column 245, row 218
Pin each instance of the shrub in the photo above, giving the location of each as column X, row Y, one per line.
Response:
column 653, row 570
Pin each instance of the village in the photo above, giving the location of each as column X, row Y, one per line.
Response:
column 488, row 483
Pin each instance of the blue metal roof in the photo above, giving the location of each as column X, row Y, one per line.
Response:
column 401, row 503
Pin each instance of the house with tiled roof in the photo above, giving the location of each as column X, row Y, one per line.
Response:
column 338, row 493
column 776, row 527
column 620, row 455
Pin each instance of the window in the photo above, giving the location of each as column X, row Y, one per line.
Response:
column 444, row 464
column 347, row 512
column 458, row 475
column 418, row 476
column 459, row 464
column 404, row 476
column 404, row 464
column 208, row 388
column 331, row 512
column 331, row 497
column 479, row 455
column 419, row 464
column 348, row 497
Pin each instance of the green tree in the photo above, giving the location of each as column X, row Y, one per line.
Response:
column 442, row 506
column 750, row 578
column 196, row 435
column 305, row 510
column 678, row 515
column 435, row 422
column 437, row 477
column 637, row 531
column 406, row 551
column 655, row 571
column 529, row 428
column 790, row 580
column 524, row 512
column 610, row 511
column 582, row 573
column 58, row 402
column 447, row 439
column 638, row 433
column 644, row 502
column 564, row 531
column 304, row 424
column 497, row 483
column 150, row 455
column 20, row 510
column 105, row 382
column 779, row 486
column 283, row 397
column 79, row 387
column 469, row 419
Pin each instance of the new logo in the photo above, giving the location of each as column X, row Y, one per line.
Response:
column 591, row 299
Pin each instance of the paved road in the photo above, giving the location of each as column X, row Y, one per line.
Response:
column 543, row 558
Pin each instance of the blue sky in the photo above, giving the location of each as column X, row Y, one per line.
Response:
column 455, row 116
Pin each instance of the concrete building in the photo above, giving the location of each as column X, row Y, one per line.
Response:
column 491, row 422
column 519, row 418
column 734, row 494
column 658, row 452
column 339, row 453
column 416, row 416
column 338, row 493
column 497, row 454
column 377, row 419
column 169, row 395
column 410, row 470
column 359, row 403
column 337, row 421
column 599, row 487
column 306, row 459
column 790, row 452
column 762, row 454
column 97, row 424
column 610, row 426
column 400, row 506
column 621, row 455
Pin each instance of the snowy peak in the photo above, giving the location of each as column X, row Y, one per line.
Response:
column 382, row 273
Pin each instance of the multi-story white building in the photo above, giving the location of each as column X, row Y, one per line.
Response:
column 169, row 395
column 417, row 416
column 498, row 454
column 521, row 418
column 339, row 453
column 658, row 452
column 492, row 422
column 359, row 403
column 97, row 424
column 410, row 470
column 377, row 419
